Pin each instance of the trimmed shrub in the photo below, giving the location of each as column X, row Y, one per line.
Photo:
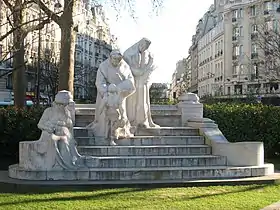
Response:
column 248, row 122
column 18, row 125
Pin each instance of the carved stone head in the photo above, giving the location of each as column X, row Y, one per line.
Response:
column 63, row 97
column 144, row 44
column 116, row 58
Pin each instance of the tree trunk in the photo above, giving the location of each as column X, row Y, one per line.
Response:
column 19, row 85
column 67, row 53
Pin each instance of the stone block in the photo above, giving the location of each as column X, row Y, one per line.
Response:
column 160, row 161
column 168, row 131
column 68, row 175
column 170, row 150
column 17, row 172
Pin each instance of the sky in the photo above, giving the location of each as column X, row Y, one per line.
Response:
column 170, row 31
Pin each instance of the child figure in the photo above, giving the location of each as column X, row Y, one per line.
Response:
column 114, row 112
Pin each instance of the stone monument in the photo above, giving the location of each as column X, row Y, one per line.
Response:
column 56, row 149
column 141, row 68
column 188, row 148
column 114, row 84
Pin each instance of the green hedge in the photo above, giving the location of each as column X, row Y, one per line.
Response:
column 18, row 125
column 243, row 122
column 238, row 122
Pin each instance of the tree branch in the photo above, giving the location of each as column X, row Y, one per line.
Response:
column 17, row 27
column 25, row 3
column 48, row 12
column 8, row 4
column 37, row 27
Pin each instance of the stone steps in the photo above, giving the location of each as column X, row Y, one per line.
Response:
column 163, row 131
column 144, row 140
column 160, row 161
column 168, row 131
column 160, row 174
column 148, row 150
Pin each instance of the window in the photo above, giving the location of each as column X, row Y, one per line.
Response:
column 236, row 32
column 240, row 13
column 254, row 48
column 222, row 68
column 255, row 69
column 269, row 25
column 268, row 6
column 241, row 31
column 254, row 28
column 216, row 69
column 219, row 46
column 241, row 69
column 236, row 51
column 216, row 48
column 253, row 10
column 275, row 25
column 241, row 50
column 235, row 13
column 235, row 70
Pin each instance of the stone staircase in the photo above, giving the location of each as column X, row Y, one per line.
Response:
column 160, row 155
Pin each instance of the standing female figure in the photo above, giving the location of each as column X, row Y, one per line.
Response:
column 139, row 110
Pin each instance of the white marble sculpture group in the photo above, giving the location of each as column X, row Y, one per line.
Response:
column 122, row 104
column 123, row 101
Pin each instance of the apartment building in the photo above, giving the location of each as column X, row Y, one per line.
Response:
column 93, row 45
column 211, row 61
column 181, row 78
column 249, row 66
column 230, row 61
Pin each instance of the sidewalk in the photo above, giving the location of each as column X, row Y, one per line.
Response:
column 274, row 206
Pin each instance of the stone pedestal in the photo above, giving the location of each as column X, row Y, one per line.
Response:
column 190, row 107
column 238, row 153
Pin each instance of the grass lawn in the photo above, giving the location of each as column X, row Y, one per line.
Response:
column 250, row 197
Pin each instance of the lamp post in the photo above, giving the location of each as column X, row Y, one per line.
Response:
column 38, row 72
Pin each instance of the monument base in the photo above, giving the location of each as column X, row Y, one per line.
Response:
column 151, row 175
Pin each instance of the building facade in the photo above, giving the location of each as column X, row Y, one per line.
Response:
column 93, row 45
column 230, row 61
column 181, row 78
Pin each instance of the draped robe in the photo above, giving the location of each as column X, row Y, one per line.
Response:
column 120, row 76
column 139, row 109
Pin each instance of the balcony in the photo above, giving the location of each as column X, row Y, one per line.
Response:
column 254, row 55
column 266, row 12
column 234, row 57
column 254, row 36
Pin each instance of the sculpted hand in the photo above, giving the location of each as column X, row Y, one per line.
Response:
column 112, row 88
column 64, row 138
column 150, row 61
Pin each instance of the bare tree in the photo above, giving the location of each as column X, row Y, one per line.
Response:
column 49, row 77
column 19, row 29
column 158, row 93
column 85, row 80
column 68, row 34
column 265, row 62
